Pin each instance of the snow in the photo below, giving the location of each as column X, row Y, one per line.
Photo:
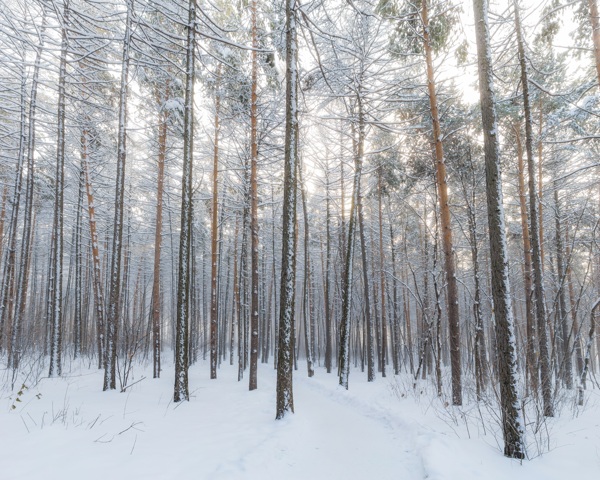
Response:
column 68, row 428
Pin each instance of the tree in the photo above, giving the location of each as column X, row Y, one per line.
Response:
column 512, row 426
column 285, row 395
column 185, row 236
column 214, row 255
column 447, row 243
column 254, row 306
column 536, row 259
column 114, row 298
column 56, row 299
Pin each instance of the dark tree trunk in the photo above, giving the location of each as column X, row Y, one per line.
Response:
column 512, row 426
column 538, row 276
column 254, row 306
column 56, row 301
column 284, row 393
column 183, row 281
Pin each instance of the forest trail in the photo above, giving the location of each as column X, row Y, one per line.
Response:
column 333, row 435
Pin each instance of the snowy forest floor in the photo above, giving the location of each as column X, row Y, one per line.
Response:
column 67, row 428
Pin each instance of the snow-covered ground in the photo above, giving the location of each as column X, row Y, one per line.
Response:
column 67, row 428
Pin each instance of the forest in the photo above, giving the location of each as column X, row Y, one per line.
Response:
column 359, row 188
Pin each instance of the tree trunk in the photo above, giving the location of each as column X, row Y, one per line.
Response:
column 58, row 223
column 78, row 314
column 96, row 263
column 532, row 341
column 479, row 344
column 307, row 301
column 214, row 255
column 538, row 276
column 254, row 306
column 185, row 238
column 284, row 393
column 114, row 299
column 447, row 244
column 326, row 291
column 566, row 365
column 370, row 337
column 347, row 279
column 512, row 425
column 384, row 332
column 576, row 334
column 155, row 307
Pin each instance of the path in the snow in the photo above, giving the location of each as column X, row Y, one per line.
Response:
column 331, row 436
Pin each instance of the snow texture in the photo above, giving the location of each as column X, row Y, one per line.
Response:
column 66, row 427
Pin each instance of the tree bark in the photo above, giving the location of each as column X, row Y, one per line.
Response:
column 447, row 243
column 384, row 330
column 307, row 300
column 214, row 251
column 284, row 393
column 155, row 307
column 566, row 365
column 532, row 340
column 512, row 425
column 254, row 306
column 538, row 275
column 185, row 238
column 576, row 334
column 58, row 223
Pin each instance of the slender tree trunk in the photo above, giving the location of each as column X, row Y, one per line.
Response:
column 185, row 238
column 396, row 323
column 96, row 262
column 236, row 290
column 326, row 292
column 370, row 337
column 243, row 286
column 214, row 256
column 254, row 306
column 538, row 276
column 78, row 314
column 512, row 425
column 447, row 244
column 155, row 307
column 479, row 346
column 576, row 334
column 384, row 332
column 57, row 291
column 566, row 363
column 532, row 340
column 284, row 393
column 307, row 308
column 114, row 299
column 347, row 281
